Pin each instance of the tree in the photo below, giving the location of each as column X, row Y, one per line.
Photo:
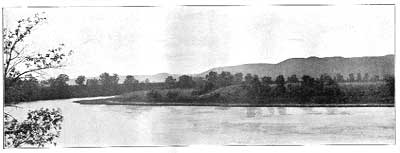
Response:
column 130, row 80
column 224, row 79
column 185, row 81
column 114, row 79
column 359, row 78
column 105, row 79
column 199, row 82
column 170, row 81
column 351, row 77
column 366, row 77
column 280, row 88
column 80, row 80
column 280, row 80
column 265, row 87
column 325, row 79
column 19, row 61
column 375, row 78
column 41, row 127
column 248, row 78
column 26, row 89
column 19, row 64
column 92, row 82
column 212, row 77
column 108, row 80
column 211, row 82
column 254, row 90
column 237, row 78
column 307, row 88
column 109, row 83
column 266, row 80
column 93, row 87
column 30, row 88
column 339, row 77
column 60, row 86
column 293, row 79
column 390, row 84
column 329, row 89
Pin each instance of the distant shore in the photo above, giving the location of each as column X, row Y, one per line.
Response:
column 111, row 102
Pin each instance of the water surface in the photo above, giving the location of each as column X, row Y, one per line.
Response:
column 128, row 125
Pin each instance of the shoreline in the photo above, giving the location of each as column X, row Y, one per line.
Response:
column 109, row 102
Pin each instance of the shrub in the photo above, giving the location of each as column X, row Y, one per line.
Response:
column 172, row 95
column 153, row 95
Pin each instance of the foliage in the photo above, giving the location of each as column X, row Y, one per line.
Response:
column 170, row 81
column 186, row 81
column 109, row 83
column 225, row 79
column 80, row 80
column 238, row 78
column 280, row 88
column 254, row 88
column 366, row 77
column 212, row 77
column 172, row 95
column 324, row 89
column 248, row 78
column 351, row 77
column 130, row 82
column 153, row 95
column 20, row 61
column 389, row 80
column 292, row 79
column 359, row 78
column 41, row 127
column 339, row 78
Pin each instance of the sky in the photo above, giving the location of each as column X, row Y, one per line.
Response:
column 187, row 40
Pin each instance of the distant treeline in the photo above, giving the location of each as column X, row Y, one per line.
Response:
column 304, row 89
column 322, row 90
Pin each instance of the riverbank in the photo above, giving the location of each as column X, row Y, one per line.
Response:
column 111, row 102
column 231, row 96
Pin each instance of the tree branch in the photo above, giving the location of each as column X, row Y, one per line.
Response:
column 38, row 69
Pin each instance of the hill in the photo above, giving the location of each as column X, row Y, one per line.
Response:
column 314, row 66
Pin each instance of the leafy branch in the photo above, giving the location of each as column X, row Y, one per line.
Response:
column 19, row 62
column 41, row 127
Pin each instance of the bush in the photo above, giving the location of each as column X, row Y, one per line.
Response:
column 172, row 95
column 153, row 95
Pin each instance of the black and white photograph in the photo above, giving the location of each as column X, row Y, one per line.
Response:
column 182, row 75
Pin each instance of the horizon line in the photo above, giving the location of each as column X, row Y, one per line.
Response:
column 190, row 74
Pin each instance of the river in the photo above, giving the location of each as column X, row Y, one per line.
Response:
column 127, row 125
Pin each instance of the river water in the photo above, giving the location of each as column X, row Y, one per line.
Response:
column 127, row 125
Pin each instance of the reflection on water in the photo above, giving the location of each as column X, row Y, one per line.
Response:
column 222, row 108
column 308, row 110
column 126, row 125
column 271, row 110
column 282, row 110
column 251, row 112
column 331, row 111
